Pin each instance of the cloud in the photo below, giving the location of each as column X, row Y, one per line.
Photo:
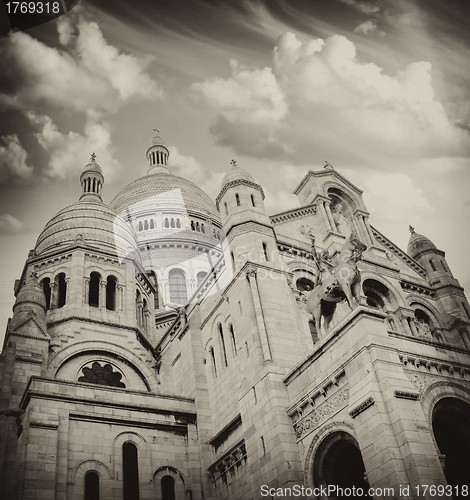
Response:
column 13, row 160
column 393, row 197
column 89, row 74
column 249, row 96
column 365, row 8
column 9, row 224
column 318, row 93
column 69, row 151
column 189, row 168
column 366, row 27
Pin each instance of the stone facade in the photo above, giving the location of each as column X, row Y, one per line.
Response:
column 110, row 388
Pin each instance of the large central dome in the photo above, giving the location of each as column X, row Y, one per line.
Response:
column 195, row 199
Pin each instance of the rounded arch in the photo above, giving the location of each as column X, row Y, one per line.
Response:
column 313, row 448
column 59, row 358
column 143, row 453
column 421, row 302
column 164, row 472
column 344, row 193
column 178, row 286
column 379, row 294
column 77, row 474
column 396, row 293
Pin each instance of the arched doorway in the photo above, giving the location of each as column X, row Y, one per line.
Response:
column 451, row 427
column 339, row 463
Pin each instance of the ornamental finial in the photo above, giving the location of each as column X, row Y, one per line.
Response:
column 155, row 129
column 327, row 164
column 233, row 163
column 412, row 229
column 93, row 157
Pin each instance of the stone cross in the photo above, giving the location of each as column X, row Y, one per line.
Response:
column 233, row 163
column 93, row 156
column 412, row 229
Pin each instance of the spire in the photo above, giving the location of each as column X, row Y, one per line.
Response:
column 92, row 181
column 157, row 155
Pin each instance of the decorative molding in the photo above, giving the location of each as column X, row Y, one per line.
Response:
column 228, row 463
column 52, row 262
column 25, row 359
column 101, row 259
column 238, row 182
column 362, row 407
column 413, row 287
column 293, row 214
column 402, row 255
column 326, row 173
column 248, row 227
column 222, row 435
column 291, row 251
column 308, row 423
column 407, row 395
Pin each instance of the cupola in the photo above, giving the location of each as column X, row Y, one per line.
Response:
column 92, row 181
column 157, row 155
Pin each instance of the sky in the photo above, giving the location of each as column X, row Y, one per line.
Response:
column 379, row 89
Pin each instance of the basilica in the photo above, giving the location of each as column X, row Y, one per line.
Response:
column 170, row 346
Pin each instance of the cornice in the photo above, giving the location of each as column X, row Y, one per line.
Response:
column 237, row 182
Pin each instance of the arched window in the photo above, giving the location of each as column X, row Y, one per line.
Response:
column 167, row 224
column 226, row 208
column 177, row 282
column 92, row 486
column 214, row 366
column 431, row 263
column 302, row 283
column 444, row 266
column 145, row 309
column 200, row 277
column 233, row 260
column 265, row 250
column 192, row 225
column 252, row 200
column 111, row 293
column 141, row 227
column 130, row 471
column 202, row 229
column 138, row 306
column 237, row 198
column 152, row 225
column 46, row 286
column 222, row 344
column 197, row 227
column 146, row 225
column 178, row 223
column 172, row 223
column 94, row 290
column 168, row 488
column 61, row 289
column 234, row 342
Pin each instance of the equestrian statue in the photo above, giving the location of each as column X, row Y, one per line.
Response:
column 335, row 282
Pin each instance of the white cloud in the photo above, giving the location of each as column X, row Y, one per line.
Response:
column 365, row 8
column 13, row 159
column 318, row 93
column 90, row 74
column 392, row 197
column 366, row 27
column 279, row 201
column 9, row 224
column 191, row 169
column 69, row 152
column 248, row 96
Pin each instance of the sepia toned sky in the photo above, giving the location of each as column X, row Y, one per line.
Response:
column 379, row 88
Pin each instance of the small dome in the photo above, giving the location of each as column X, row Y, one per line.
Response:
column 92, row 167
column 157, row 140
column 236, row 173
column 419, row 243
column 90, row 222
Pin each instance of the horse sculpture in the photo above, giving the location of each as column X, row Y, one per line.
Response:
column 341, row 282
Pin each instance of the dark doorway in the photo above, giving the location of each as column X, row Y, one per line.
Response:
column 92, row 486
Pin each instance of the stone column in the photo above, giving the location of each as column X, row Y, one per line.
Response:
column 263, row 336
column 102, row 299
column 413, row 328
column 368, row 229
column 321, row 209
column 53, row 286
column 86, row 294
column 329, row 215
column 120, row 298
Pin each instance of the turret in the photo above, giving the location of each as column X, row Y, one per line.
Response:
column 92, row 181
column 157, row 155
column 241, row 205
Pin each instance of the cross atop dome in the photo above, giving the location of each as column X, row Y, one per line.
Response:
column 411, row 229
column 93, row 157
column 157, row 155
column 233, row 162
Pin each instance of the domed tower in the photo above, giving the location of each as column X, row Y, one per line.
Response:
column 177, row 227
column 449, row 293
column 245, row 222
column 91, row 181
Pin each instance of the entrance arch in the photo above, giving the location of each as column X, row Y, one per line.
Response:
column 451, row 428
column 338, row 462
